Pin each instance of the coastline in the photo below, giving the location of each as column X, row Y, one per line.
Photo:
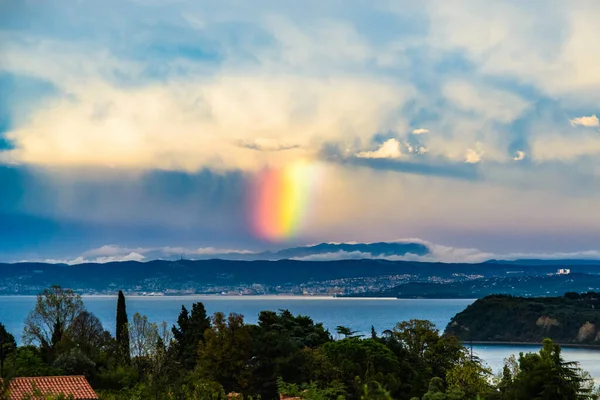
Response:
column 529, row 344
column 223, row 296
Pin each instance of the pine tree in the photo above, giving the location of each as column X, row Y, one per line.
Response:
column 122, row 332
column 189, row 332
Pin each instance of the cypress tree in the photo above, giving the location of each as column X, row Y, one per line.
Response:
column 122, row 332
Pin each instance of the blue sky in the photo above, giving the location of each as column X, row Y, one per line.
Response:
column 130, row 126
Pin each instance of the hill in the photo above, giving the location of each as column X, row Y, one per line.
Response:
column 375, row 277
column 572, row 318
column 528, row 285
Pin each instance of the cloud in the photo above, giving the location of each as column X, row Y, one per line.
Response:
column 191, row 125
column 591, row 121
column 435, row 253
column 81, row 260
column 149, row 119
column 473, row 156
column 265, row 144
column 519, row 155
column 389, row 149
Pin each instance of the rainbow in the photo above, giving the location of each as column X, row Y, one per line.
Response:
column 280, row 200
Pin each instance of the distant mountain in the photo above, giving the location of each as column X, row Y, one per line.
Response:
column 381, row 249
column 377, row 277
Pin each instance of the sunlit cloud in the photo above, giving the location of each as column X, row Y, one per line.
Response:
column 519, row 155
column 591, row 121
column 389, row 149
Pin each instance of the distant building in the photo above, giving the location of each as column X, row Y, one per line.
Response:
column 75, row 386
column 564, row 271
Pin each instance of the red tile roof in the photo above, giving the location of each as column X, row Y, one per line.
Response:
column 76, row 386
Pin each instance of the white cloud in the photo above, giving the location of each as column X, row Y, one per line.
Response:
column 190, row 125
column 519, row 155
column 591, row 121
column 199, row 251
column 473, row 156
column 420, row 131
column 81, row 259
column 389, row 149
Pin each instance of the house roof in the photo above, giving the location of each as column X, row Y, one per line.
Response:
column 76, row 386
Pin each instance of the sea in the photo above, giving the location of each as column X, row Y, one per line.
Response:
column 358, row 314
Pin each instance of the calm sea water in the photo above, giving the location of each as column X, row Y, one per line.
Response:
column 358, row 314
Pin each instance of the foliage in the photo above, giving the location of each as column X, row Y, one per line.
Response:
column 88, row 334
column 282, row 354
column 189, row 332
column 546, row 376
column 122, row 331
column 573, row 318
column 75, row 362
column 54, row 311
column 279, row 342
column 225, row 356
column 28, row 361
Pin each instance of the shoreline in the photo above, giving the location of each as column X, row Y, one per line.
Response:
column 249, row 296
column 467, row 344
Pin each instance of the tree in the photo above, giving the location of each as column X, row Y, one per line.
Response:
column 188, row 332
column 417, row 336
column 345, row 331
column 546, row 376
column 470, row 378
column 278, row 343
column 52, row 315
column 122, row 331
column 143, row 336
column 225, row 355
column 75, row 362
column 27, row 361
column 87, row 332
column 7, row 346
column 362, row 362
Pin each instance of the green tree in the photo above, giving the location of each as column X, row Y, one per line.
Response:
column 52, row 315
column 27, row 361
column 278, row 343
column 88, row 335
column 225, row 356
column 469, row 377
column 75, row 362
column 7, row 346
column 546, row 376
column 188, row 332
column 429, row 354
column 362, row 362
column 122, row 331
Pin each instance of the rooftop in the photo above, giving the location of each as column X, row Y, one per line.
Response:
column 76, row 386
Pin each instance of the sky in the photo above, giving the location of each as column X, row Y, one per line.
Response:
column 194, row 126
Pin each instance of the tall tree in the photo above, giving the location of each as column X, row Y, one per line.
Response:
column 122, row 331
column 547, row 376
column 189, row 332
column 225, row 356
column 52, row 315
column 87, row 332
column 7, row 346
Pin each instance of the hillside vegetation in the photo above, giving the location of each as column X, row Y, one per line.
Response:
column 573, row 318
